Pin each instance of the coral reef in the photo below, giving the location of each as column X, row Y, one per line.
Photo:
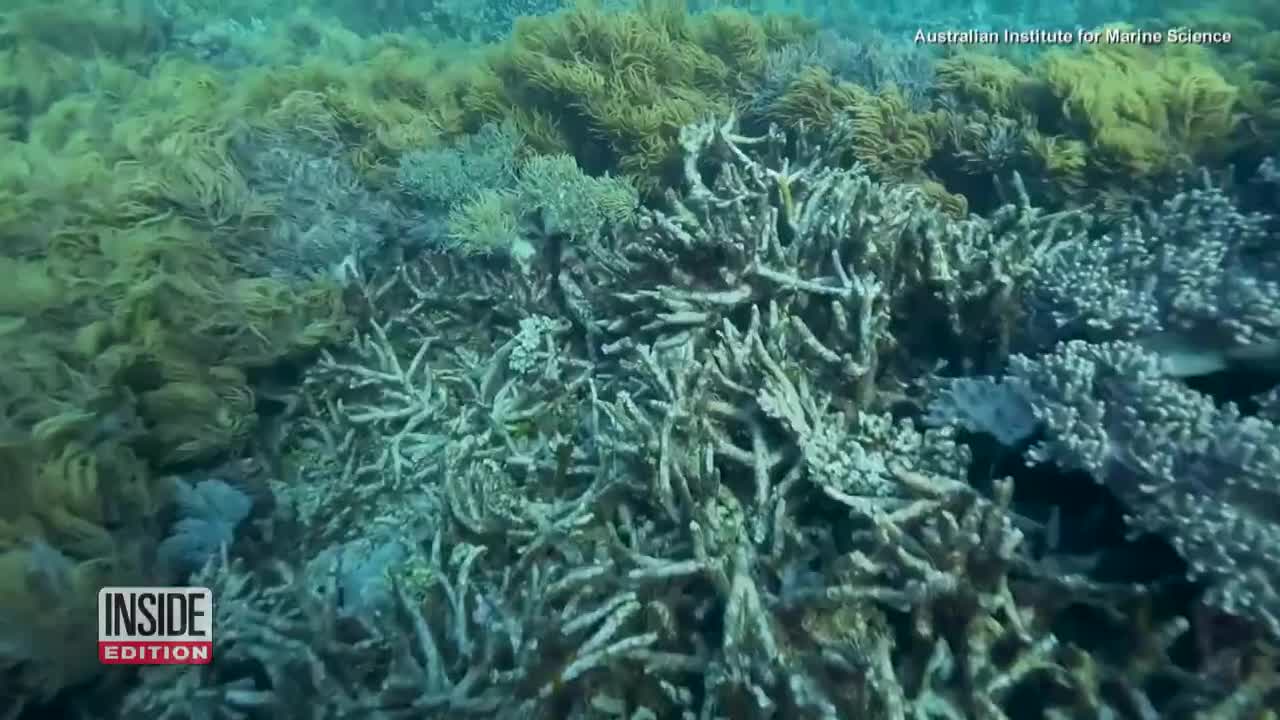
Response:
column 1199, row 474
column 649, row 491
column 1169, row 296
column 499, row 202
column 1196, row 280
column 650, row 361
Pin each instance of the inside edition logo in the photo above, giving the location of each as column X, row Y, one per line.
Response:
column 155, row 625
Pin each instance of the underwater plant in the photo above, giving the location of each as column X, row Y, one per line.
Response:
column 612, row 89
column 1103, row 124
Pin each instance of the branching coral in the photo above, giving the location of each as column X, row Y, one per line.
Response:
column 841, row 255
column 635, row 483
column 500, row 204
column 1200, row 475
column 1194, row 279
column 448, row 177
column 667, row 463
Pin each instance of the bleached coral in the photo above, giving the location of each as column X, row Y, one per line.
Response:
column 863, row 272
column 674, row 477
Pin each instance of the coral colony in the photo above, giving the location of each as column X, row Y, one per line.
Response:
column 641, row 360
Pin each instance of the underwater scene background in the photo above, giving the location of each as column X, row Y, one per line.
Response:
column 642, row 360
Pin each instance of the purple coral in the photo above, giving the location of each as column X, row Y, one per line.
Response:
column 1200, row 475
column 1197, row 279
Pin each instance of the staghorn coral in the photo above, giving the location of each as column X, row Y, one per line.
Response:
column 380, row 417
column 503, row 632
column 666, row 470
column 845, row 283
column 698, row 522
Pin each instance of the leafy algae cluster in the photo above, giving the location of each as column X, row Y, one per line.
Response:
column 129, row 334
column 1097, row 125
column 613, row 89
column 1108, row 120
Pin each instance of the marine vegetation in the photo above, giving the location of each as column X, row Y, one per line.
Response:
column 129, row 332
column 1105, row 124
column 613, row 89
